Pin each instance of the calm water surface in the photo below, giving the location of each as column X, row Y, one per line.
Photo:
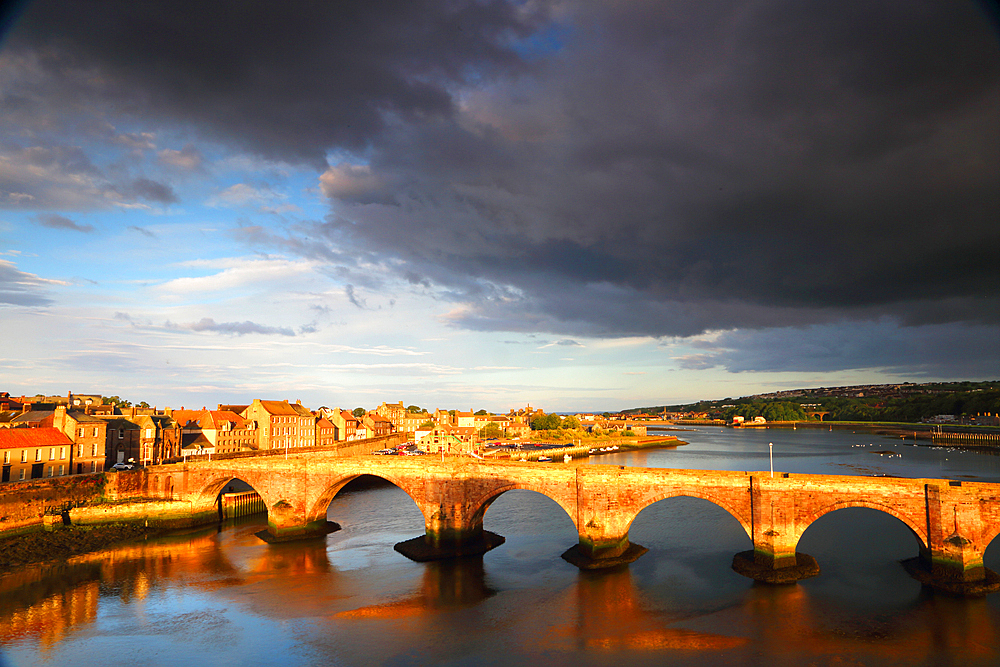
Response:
column 224, row 597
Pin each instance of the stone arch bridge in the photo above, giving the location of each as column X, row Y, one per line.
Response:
column 953, row 522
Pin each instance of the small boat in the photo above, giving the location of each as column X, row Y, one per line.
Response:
column 544, row 459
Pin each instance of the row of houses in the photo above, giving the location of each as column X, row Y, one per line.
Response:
column 77, row 434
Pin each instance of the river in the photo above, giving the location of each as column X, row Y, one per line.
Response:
column 224, row 597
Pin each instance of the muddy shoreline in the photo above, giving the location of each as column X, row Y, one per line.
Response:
column 44, row 546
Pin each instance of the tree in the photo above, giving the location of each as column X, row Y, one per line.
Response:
column 144, row 404
column 570, row 422
column 491, row 430
column 359, row 412
column 427, row 424
column 117, row 402
column 414, row 409
column 482, row 413
column 606, row 415
column 545, row 423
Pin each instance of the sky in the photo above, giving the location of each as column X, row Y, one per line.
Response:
column 588, row 205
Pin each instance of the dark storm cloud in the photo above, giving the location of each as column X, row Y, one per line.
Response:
column 663, row 168
column 288, row 80
column 685, row 167
column 947, row 350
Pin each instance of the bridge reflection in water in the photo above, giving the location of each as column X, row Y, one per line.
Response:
column 605, row 612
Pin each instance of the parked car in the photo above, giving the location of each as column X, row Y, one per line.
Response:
column 122, row 466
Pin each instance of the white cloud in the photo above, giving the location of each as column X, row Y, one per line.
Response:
column 237, row 274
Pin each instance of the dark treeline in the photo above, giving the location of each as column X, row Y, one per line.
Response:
column 906, row 408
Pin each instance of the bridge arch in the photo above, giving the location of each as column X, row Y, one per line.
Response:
column 919, row 531
column 482, row 504
column 990, row 534
column 715, row 500
column 318, row 509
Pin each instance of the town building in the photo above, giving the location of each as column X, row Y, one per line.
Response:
column 412, row 421
column 394, row 412
column 33, row 453
column 280, row 424
column 326, row 432
column 377, row 425
column 449, row 439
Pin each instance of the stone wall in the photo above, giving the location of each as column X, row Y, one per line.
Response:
column 23, row 504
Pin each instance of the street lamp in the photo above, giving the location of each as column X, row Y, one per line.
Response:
column 770, row 451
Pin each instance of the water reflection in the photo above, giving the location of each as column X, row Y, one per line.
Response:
column 610, row 614
column 446, row 585
column 227, row 597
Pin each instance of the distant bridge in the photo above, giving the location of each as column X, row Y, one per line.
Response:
column 953, row 522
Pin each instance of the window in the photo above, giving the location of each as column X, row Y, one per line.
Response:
column 79, row 451
column 62, row 470
column 62, row 453
column 81, row 434
column 94, row 452
column 21, row 474
column 24, row 456
column 6, row 457
column 149, row 433
column 38, row 455
column 93, row 466
column 49, row 471
column 95, row 431
column 52, row 455
column 121, row 433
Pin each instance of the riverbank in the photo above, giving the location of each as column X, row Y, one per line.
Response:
column 966, row 438
column 592, row 448
column 65, row 542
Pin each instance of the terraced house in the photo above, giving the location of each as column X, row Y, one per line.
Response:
column 31, row 453
column 281, row 424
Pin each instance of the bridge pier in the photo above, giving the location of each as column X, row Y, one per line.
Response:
column 603, row 553
column 954, row 561
column 775, row 534
column 453, row 526
column 606, row 510
column 286, row 523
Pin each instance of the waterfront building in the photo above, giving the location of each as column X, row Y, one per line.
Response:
column 377, row 425
column 32, row 453
column 348, row 426
column 326, row 432
column 280, row 424
column 464, row 419
column 121, row 440
column 440, row 439
column 449, row 439
column 394, row 412
column 227, row 431
column 412, row 421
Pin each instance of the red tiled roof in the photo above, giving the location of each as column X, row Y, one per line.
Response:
column 278, row 408
column 11, row 438
column 214, row 418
